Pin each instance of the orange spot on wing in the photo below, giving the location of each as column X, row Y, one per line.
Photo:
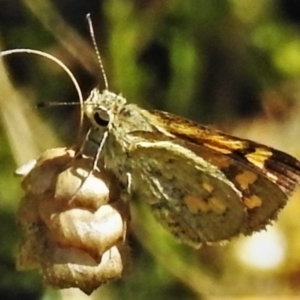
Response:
column 259, row 157
column 252, row 202
column 245, row 179
column 217, row 148
column 196, row 204
column 209, row 188
column 217, row 205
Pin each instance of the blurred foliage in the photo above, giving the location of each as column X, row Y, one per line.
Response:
column 234, row 64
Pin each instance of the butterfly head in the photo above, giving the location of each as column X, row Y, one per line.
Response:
column 102, row 107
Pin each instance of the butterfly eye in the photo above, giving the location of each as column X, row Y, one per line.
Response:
column 102, row 118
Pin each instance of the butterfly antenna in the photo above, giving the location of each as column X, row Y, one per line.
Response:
column 62, row 65
column 91, row 28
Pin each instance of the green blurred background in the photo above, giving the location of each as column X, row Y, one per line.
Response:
column 231, row 64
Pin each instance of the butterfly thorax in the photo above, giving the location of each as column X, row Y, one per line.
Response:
column 117, row 122
column 123, row 135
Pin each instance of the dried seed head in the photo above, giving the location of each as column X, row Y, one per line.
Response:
column 74, row 222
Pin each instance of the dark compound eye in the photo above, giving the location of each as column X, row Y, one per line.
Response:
column 102, row 118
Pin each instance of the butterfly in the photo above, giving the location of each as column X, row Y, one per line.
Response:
column 202, row 185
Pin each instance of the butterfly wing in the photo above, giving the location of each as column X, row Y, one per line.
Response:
column 206, row 186
column 279, row 167
column 188, row 196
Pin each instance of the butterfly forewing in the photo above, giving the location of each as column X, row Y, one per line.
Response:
column 279, row 167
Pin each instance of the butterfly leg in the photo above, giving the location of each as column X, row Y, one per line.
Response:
column 79, row 150
column 95, row 161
